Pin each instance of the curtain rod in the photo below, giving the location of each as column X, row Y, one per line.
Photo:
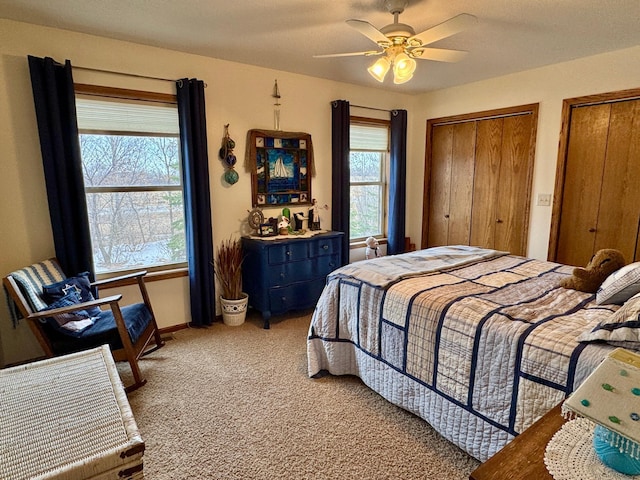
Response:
column 371, row 108
column 101, row 70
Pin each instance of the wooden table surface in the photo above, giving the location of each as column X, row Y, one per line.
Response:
column 523, row 457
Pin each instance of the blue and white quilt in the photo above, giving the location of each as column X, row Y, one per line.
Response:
column 477, row 342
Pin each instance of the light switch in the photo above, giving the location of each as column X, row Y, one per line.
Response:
column 544, row 199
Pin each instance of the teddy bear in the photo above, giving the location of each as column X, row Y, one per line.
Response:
column 372, row 248
column 601, row 265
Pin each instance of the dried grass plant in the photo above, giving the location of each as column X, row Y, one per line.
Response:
column 228, row 268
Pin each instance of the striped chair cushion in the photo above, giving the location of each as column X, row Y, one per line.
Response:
column 31, row 280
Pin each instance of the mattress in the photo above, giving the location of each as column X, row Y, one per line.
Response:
column 68, row 418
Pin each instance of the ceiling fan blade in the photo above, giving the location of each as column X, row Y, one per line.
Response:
column 445, row 29
column 438, row 54
column 350, row 54
column 369, row 31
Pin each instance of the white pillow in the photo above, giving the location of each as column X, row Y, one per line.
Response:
column 620, row 286
column 621, row 328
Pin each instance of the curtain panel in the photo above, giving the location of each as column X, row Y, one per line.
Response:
column 397, row 183
column 197, row 200
column 340, row 173
column 55, row 104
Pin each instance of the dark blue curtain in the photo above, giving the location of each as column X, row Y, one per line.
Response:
column 197, row 200
column 340, row 204
column 55, row 103
column 397, row 182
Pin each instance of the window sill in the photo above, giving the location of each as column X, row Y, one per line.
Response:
column 362, row 244
column 156, row 276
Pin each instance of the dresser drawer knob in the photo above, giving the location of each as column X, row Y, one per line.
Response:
column 288, row 253
column 325, row 247
column 282, row 275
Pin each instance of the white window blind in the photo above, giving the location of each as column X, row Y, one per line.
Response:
column 126, row 116
column 368, row 137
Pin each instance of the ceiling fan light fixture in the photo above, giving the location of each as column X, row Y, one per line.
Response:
column 401, row 79
column 403, row 66
column 379, row 69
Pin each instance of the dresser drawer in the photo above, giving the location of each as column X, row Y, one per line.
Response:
column 326, row 264
column 324, row 246
column 291, row 272
column 296, row 296
column 289, row 252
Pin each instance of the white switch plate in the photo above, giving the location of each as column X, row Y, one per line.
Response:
column 544, row 199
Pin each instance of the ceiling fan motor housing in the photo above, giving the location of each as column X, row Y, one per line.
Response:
column 396, row 6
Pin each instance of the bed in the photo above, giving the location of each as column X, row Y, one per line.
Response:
column 477, row 342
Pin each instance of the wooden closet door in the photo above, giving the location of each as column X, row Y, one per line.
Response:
column 441, row 151
column 451, row 185
column 619, row 213
column 486, row 181
column 583, row 181
column 462, row 167
column 513, row 190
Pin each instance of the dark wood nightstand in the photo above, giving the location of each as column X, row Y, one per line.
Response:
column 523, row 457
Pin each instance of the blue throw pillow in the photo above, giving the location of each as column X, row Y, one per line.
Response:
column 80, row 284
column 71, row 322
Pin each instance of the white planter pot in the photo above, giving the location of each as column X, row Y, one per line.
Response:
column 234, row 311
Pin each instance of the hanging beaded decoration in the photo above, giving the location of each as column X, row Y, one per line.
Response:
column 226, row 155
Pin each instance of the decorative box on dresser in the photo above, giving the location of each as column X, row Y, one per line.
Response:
column 288, row 272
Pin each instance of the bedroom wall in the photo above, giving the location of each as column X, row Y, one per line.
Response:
column 548, row 86
column 237, row 94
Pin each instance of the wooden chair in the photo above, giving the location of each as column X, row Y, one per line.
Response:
column 130, row 331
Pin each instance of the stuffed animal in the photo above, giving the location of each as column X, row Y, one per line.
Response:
column 601, row 265
column 372, row 248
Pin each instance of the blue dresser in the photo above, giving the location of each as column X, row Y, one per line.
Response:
column 288, row 273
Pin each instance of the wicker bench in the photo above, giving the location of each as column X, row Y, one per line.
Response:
column 68, row 418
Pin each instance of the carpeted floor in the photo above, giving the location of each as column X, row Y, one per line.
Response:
column 236, row 403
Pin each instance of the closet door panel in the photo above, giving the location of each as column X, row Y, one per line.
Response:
column 583, row 173
column 439, row 196
column 620, row 197
column 513, row 192
column 485, row 184
column 462, row 167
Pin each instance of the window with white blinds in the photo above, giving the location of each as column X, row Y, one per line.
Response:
column 368, row 163
column 133, row 182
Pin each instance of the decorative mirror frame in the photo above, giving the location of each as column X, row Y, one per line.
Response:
column 281, row 166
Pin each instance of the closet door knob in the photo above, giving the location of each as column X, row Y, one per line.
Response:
column 446, row 215
column 592, row 230
column 498, row 220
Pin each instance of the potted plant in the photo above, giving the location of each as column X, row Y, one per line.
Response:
column 228, row 270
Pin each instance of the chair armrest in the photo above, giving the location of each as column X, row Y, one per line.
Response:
column 74, row 308
column 129, row 276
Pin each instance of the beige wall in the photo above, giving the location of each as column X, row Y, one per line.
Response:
column 548, row 86
column 237, row 94
column 240, row 96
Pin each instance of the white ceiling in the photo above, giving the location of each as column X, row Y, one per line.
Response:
column 511, row 35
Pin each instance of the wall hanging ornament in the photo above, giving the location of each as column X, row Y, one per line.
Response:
column 227, row 156
column 276, row 106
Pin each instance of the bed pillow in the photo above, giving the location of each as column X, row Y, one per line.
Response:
column 620, row 286
column 622, row 328
column 71, row 322
column 79, row 283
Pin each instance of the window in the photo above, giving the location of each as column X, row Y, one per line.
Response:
column 368, row 161
column 133, row 183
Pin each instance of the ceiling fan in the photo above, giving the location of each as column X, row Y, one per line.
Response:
column 401, row 45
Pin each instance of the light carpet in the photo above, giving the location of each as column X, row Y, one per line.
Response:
column 236, row 403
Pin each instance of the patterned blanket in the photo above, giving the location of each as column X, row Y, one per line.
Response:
column 480, row 348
